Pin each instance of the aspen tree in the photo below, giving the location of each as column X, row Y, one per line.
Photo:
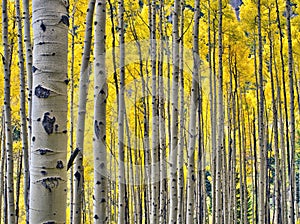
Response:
column 121, row 114
column 244, row 190
column 232, row 142
column 162, row 124
column 220, row 139
column 241, row 184
column 71, row 112
column 277, row 184
column 212, row 100
column 6, row 60
column 2, row 167
column 48, row 176
column 5, row 205
column 28, row 52
column 100, row 95
column 291, row 162
column 181, row 139
column 261, row 135
column 191, row 176
column 83, row 88
column 174, row 115
column 283, row 145
column 19, row 163
column 154, row 152
column 202, row 213
column 23, row 117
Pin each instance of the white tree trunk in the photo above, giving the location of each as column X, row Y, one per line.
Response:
column 162, row 125
column 83, row 88
column 261, row 134
column 100, row 95
column 6, row 59
column 191, row 175
column 48, row 177
column 181, row 139
column 154, row 152
column 121, row 114
column 23, row 117
column 220, row 150
column 291, row 161
column 174, row 115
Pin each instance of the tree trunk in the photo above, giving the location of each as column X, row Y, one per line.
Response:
column 220, row 149
column 28, row 47
column 121, row 113
column 281, row 123
column 6, row 59
column 83, row 88
column 71, row 112
column 191, row 176
column 262, row 175
column 174, row 115
column 2, row 170
column 28, row 51
column 291, row 161
column 100, row 95
column 24, row 132
column 48, row 177
column 181, row 140
column 162, row 125
column 155, row 152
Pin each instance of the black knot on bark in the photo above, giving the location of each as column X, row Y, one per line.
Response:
column 48, row 123
column 43, row 27
column 59, row 165
column 41, row 92
column 65, row 20
column 97, row 129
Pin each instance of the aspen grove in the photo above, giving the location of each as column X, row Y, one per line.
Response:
column 150, row 111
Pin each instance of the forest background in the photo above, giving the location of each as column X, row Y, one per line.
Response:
column 170, row 111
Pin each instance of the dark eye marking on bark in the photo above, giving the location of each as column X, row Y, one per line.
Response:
column 59, row 165
column 67, row 81
column 48, row 123
column 97, row 129
column 43, row 27
column 78, row 177
column 50, row 182
column 49, row 222
column 44, row 151
column 72, row 158
column 41, row 92
column 34, row 69
column 65, row 20
column 102, row 165
column 56, row 128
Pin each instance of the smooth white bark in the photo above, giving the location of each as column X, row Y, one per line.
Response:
column 174, row 115
column 6, row 60
column 100, row 95
column 191, row 175
column 24, row 133
column 48, row 176
column 83, row 88
column 121, row 114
